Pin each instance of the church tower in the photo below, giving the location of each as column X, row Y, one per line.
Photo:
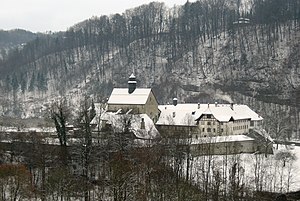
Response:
column 131, row 84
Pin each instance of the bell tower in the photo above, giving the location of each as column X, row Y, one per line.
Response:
column 131, row 84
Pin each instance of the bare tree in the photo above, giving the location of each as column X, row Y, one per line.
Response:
column 286, row 158
column 277, row 125
column 14, row 182
column 86, row 114
column 60, row 114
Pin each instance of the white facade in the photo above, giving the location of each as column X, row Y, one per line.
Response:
column 211, row 119
column 140, row 101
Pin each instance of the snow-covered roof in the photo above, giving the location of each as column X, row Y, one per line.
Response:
column 181, row 114
column 187, row 114
column 220, row 139
column 117, row 121
column 248, row 112
column 121, row 96
column 132, row 76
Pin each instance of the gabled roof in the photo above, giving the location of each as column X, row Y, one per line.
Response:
column 187, row 114
column 120, row 96
column 181, row 114
column 224, row 113
column 117, row 122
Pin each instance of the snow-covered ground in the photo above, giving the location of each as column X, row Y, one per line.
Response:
column 276, row 173
column 32, row 129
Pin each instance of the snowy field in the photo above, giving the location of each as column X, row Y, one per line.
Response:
column 275, row 173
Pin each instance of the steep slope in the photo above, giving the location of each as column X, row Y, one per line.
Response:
column 195, row 52
column 14, row 38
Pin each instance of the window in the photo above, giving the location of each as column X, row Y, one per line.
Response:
column 209, row 123
column 203, row 129
column 251, row 123
column 208, row 129
column 214, row 130
column 208, row 116
column 222, row 130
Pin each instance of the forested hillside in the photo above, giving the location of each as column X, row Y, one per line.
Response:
column 205, row 51
column 14, row 38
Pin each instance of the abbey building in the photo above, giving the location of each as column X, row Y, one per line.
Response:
column 235, row 124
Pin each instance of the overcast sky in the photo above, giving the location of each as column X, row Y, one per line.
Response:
column 58, row 15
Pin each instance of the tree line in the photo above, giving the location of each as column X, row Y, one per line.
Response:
column 107, row 165
column 179, row 26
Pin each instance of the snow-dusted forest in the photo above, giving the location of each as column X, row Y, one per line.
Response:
column 201, row 51
column 240, row 51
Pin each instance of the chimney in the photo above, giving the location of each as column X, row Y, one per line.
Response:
column 198, row 105
column 231, row 106
column 143, row 124
column 131, row 84
column 207, row 105
column 174, row 101
column 216, row 104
